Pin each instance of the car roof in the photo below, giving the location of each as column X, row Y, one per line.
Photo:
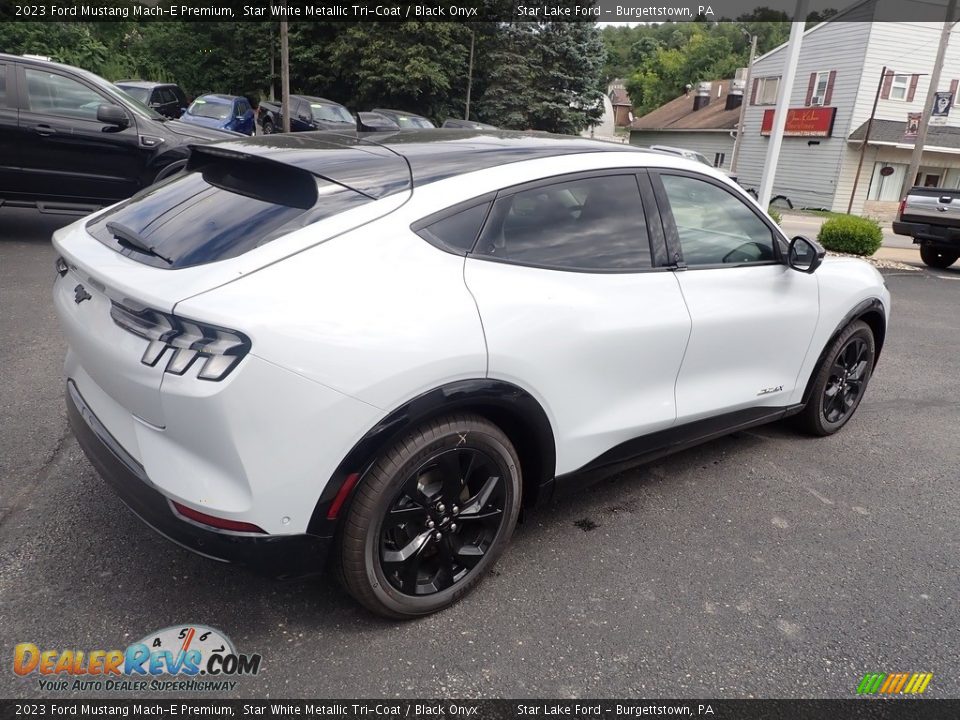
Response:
column 398, row 112
column 144, row 83
column 388, row 162
column 313, row 98
column 221, row 98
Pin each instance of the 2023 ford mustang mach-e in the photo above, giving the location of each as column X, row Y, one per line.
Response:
column 386, row 347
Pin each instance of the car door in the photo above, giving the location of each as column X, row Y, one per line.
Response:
column 578, row 307
column 67, row 152
column 753, row 317
column 10, row 157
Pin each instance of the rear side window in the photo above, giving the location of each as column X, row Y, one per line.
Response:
column 456, row 232
column 3, row 85
column 591, row 224
column 218, row 211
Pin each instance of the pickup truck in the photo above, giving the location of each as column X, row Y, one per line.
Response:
column 931, row 216
column 306, row 113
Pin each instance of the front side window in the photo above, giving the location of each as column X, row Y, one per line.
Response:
column 898, row 89
column 714, row 226
column 53, row 94
column 593, row 223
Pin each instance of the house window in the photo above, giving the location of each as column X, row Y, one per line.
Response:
column 718, row 159
column 767, row 91
column 820, row 88
column 899, row 87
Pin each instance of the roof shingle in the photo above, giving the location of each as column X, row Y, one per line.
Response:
column 678, row 114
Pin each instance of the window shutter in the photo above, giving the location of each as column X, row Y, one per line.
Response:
column 887, row 84
column 753, row 91
column 913, row 87
column 811, row 86
column 828, row 96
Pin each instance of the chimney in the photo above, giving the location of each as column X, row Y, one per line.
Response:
column 735, row 96
column 702, row 98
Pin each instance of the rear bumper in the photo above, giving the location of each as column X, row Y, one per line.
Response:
column 276, row 555
column 928, row 234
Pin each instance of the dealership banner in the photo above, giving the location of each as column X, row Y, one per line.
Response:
column 538, row 709
column 456, row 10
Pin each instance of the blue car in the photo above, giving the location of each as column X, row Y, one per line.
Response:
column 224, row 112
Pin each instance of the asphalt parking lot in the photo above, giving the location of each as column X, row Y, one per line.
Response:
column 764, row 564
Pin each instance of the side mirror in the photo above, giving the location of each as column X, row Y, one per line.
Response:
column 804, row 254
column 112, row 115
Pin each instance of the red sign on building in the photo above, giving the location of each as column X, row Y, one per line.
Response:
column 803, row 122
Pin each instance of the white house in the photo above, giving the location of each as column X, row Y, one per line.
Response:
column 837, row 77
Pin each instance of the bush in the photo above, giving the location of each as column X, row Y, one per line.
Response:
column 851, row 234
column 776, row 216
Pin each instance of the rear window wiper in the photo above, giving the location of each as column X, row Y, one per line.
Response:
column 129, row 238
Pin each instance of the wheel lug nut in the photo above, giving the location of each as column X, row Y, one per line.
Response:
column 453, row 527
column 455, row 509
column 437, row 536
column 430, row 523
column 440, row 507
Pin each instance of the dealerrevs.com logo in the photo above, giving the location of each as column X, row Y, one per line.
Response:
column 178, row 658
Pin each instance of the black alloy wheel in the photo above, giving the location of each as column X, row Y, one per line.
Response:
column 840, row 380
column 443, row 521
column 847, row 380
column 430, row 517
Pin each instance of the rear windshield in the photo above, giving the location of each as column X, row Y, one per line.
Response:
column 218, row 211
column 141, row 95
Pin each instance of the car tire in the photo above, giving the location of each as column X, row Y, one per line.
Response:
column 939, row 259
column 430, row 517
column 268, row 128
column 840, row 382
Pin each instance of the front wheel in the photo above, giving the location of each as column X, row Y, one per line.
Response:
column 268, row 128
column 431, row 517
column 840, row 381
column 935, row 258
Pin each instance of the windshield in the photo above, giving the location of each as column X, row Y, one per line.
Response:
column 408, row 121
column 205, row 108
column 324, row 112
column 130, row 101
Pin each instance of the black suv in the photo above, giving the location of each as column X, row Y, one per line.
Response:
column 71, row 140
column 166, row 98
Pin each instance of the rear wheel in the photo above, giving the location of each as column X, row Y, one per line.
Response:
column 431, row 517
column 840, row 381
column 935, row 258
column 268, row 128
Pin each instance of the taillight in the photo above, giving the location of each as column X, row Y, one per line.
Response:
column 217, row 349
column 903, row 204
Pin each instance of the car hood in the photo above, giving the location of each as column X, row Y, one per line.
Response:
column 189, row 130
column 204, row 121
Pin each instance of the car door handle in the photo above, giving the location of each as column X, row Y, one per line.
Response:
column 44, row 130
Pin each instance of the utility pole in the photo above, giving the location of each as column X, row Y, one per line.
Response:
column 783, row 102
column 466, row 113
column 284, row 75
column 743, row 105
column 866, row 139
column 918, row 144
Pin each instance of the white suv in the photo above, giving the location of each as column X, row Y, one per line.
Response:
column 386, row 347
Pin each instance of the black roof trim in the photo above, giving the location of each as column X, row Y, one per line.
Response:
column 368, row 162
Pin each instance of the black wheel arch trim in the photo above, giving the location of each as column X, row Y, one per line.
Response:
column 509, row 406
column 870, row 311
